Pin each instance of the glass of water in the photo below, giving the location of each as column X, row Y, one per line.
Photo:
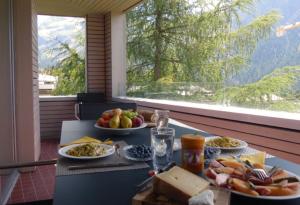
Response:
column 161, row 118
column 162, row 140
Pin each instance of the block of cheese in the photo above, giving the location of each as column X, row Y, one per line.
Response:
column 179, row 184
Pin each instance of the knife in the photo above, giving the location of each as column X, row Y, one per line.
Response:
column 74, row 167
column 145, row 184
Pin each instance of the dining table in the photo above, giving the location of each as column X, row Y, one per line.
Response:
column 118, row 187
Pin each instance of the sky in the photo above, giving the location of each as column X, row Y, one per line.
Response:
column 51, row 30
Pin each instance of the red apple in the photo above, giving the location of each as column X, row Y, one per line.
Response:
column 102, row 122
column 106, row 115
column 136, row 122
column 142, row 118
column 106, row 123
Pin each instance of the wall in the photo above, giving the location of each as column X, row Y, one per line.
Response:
column 7, row 135
column 95, row 53
column 52, row 112
column 108, row 65
column 25, row 41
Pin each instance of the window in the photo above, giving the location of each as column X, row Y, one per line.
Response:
column 239, row 53
column 61, row 55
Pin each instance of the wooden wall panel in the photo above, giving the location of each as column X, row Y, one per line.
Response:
column 95, row 53
column 52, row 113
column 108, row 65
column 284, row 143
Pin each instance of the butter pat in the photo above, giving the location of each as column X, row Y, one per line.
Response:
column 179, row 184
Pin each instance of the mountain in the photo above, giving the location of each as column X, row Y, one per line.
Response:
column 276, row 51
column 55, row 29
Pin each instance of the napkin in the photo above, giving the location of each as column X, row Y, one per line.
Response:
column 87, row 139
column 204, row 198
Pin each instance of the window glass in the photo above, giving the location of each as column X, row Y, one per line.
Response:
column 61, row 43
column 241, row 53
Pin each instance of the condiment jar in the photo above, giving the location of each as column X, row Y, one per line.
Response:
column 192, row 153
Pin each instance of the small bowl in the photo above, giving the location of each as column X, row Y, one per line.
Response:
column 213, row 154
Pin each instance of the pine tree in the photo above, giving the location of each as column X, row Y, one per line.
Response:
column 180, row 41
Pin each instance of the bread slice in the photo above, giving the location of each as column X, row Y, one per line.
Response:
column 179, row 184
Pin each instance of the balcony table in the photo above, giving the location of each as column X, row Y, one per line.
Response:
column 118, row 187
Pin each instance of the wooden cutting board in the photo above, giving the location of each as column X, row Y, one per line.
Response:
column 149, row 198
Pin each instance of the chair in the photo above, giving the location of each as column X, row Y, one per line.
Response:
column 87, row 98
column 92, row 111
column 90, row 98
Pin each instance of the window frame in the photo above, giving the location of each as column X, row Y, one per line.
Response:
column 228, row 113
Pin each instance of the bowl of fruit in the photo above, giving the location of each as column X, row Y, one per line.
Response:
column 140, row 153
column 120, row 122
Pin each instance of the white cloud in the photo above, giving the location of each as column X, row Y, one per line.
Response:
column 52, row 29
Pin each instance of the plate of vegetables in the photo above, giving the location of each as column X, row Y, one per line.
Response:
column 86, row 151
column 118, row 121
column 225, row 143
column 242, row 178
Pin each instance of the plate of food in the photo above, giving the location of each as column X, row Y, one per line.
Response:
column 225, row 143
column 140, row 153
column 119, row 121
column 86, row 151
column 253, row 179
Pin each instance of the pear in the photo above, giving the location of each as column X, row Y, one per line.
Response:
column 117, row 111
column 114, row 122
column 126, row 122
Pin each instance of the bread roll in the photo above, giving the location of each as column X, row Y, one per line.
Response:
column 147, row 114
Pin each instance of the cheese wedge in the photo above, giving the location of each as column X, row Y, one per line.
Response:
column 179, row 184
column 87, row 139
column 258, row 157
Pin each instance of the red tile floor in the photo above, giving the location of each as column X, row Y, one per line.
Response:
column 39, row 184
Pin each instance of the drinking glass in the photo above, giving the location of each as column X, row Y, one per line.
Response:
column 162, row 140
column 161, row 118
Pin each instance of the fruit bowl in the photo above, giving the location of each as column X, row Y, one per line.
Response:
column 120, row 131
column 120, row 122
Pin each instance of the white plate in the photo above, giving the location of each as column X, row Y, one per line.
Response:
column 294, row 196
column 243, row 144
column 120, row 131
column 134, row 158
column 63, row 152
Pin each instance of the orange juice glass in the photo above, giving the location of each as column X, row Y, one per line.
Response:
column 192, row 153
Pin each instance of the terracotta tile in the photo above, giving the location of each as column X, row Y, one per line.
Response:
column 17, row 195
column 30, row 199
column 44, row 196
column 39, row 184
column 28, row 191
column 15, row 201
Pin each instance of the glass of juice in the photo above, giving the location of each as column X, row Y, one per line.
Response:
column 192, row 153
